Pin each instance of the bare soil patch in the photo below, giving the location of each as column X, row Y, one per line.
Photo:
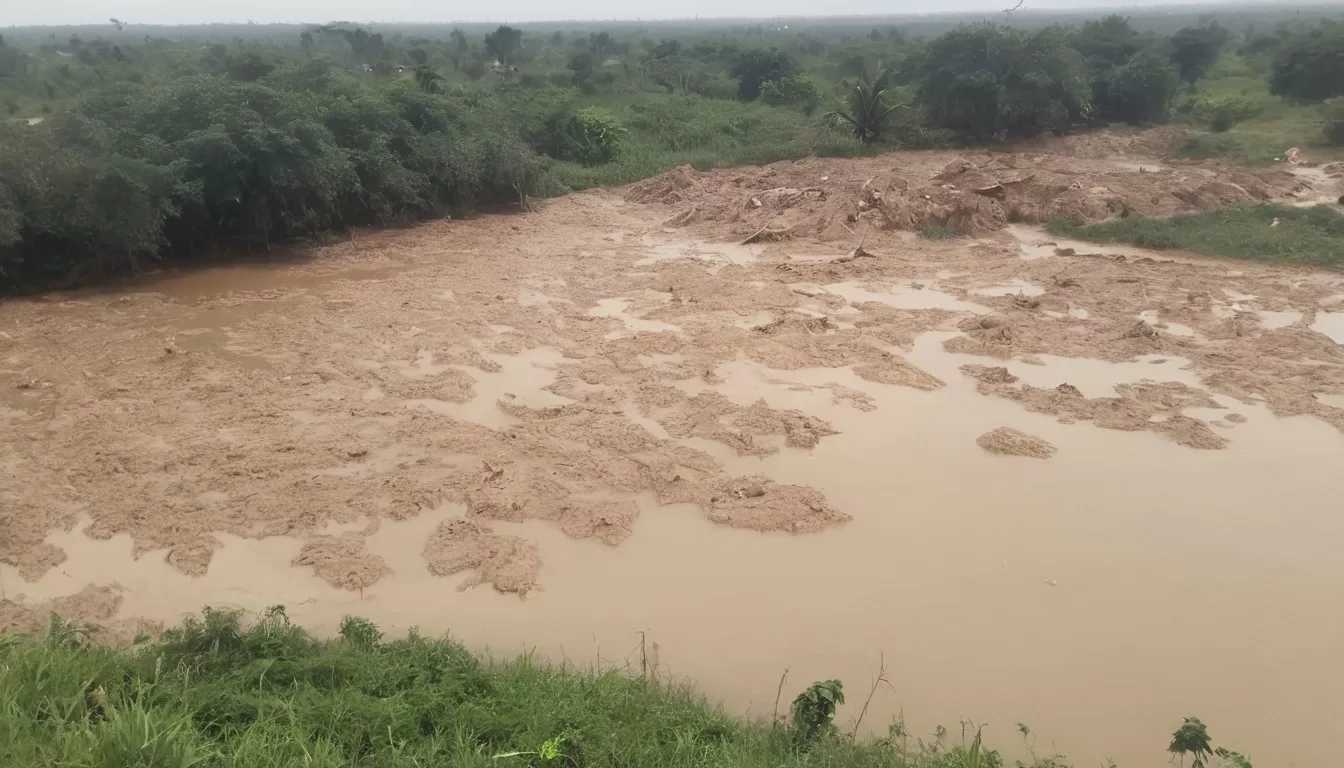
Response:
column 1012, row 442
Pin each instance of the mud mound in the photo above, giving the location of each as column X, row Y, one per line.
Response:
column 712, row 416
column 677, row 185
column 507, row 563
column 1011, row 442
column 989, row 374
column 756, row 502
column 1145, row 406
column 343, row 561
column 610, row 522
column 1151, row 142
column 92, row 608
column 971, row 193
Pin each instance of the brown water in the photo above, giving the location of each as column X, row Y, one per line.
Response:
column 1098, row 597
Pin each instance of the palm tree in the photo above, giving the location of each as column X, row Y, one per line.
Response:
column 868, row 110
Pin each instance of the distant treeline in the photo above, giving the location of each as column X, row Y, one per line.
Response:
column 122, row 152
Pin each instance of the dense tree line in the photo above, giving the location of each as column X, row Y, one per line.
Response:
column 160, row 148
column 186, row 165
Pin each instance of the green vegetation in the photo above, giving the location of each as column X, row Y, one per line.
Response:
column 214, row 693
column 149, row 143
column 1306, row 235
column 869, row 115
column 1192, row 739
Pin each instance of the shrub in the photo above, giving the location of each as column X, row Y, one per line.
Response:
column 796, row 91
column 1308, row 64
column 990, row 81
column 1334, row 121
column 1139, row 91
column 1223, row 112
column 588, row 136
column 814, row 709
column 755, row 66
column 1195, row 49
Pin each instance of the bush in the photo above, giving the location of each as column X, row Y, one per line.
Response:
column 990, row 81
column 795, row 91
column 1334, row 121
column 1309, row 64
column 1195, row 49
column 1139, row 91
column 1223, row 112
column 588, row 136
column 133, row 171
column 756, row 66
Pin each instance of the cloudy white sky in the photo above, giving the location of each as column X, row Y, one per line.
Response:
column 25, row 12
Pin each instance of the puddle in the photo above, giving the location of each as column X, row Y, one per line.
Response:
column 1011, row 288
column 1151, row 317
column 1334, row 401
column 1270, row 320
column 906, row 296
column 719, row 254
column 521, row 382
column 619, row 308
column 217, row 344
column 1330, row 324
column 1094, row 378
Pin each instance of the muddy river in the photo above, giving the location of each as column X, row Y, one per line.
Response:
column 758, row 459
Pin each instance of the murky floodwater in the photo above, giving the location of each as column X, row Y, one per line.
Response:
column 1098, row 597
column 1331, row 324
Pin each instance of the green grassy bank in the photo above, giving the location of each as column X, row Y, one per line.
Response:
column 213, row 693
column 1303, row 235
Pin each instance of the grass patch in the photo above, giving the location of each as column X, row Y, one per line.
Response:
column 1236, row 147
column 1304, row 235
column 936, row 230
column 214, row 693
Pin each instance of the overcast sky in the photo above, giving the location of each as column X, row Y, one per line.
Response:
column 26, row 12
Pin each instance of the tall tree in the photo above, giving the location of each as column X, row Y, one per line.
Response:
column 1194, row 49
column 755, row 66
column 989, row 81
column 504, row 42
column 1309, row 64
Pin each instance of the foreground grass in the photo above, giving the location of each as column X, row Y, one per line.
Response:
column 215, row 694
column 1304, row 235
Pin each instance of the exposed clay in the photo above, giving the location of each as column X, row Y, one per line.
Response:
column 1012, row 442
column 1151, row 406
column 343, row 561
column 507, row 563
column 93, row 607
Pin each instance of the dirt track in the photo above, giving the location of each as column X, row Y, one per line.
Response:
column 553, row 365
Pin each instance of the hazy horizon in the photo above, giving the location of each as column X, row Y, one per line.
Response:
column 162, row 12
